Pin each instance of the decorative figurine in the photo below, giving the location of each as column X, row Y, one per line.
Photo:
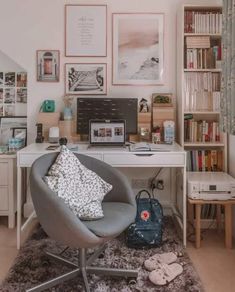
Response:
column 143, row 106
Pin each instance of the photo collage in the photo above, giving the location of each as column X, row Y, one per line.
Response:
column 13, row 92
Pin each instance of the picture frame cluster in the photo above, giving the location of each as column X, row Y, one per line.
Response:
column 137, row 50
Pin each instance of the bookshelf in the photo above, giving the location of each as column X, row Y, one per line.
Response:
column 198, row 93
column 198, row 87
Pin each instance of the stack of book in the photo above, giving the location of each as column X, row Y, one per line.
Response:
column 203, row 58
column 202, row 101
column 202, row 22
column 200, row 131
column 198, row 81
column 205, row 160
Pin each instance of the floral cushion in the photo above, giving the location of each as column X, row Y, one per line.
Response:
column 80, row 188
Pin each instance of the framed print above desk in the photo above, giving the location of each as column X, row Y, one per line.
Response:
column 85, row 30
column 86, row 78
column 138, row 43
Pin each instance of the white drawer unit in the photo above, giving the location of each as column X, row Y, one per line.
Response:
column 8, row 188
column 145, row 159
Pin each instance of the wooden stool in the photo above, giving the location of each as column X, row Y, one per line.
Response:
column 228, row 218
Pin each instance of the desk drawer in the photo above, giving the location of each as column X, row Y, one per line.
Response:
column 94, row 155
column 145, row 159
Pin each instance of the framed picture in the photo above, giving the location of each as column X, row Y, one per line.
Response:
column 20, row 132
column 138, row 48
column 48, row 65
column 85, row 30
column 162, row 100
column 7, row 126
column 107, row 132
column 86, row 78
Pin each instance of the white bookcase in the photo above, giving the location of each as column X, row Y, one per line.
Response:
column 198, row 87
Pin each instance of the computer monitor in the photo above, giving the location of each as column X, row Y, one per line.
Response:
column 107, row 109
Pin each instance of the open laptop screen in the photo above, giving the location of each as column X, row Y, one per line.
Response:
column 107, row 132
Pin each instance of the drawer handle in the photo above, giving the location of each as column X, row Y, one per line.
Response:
column 145, row 154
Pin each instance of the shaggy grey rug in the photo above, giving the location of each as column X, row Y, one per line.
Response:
column 32, row 266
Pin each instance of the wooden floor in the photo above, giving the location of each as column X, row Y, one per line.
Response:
column 214, row 264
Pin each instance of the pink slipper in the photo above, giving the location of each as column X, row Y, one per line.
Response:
column 165, row 258
column 165, row 273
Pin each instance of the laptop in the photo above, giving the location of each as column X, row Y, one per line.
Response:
column 107, row 132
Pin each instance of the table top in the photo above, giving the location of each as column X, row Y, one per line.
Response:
column 85, row 147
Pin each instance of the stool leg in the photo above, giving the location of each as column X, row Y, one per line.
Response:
column 218, row 217
column 198, row 225
column 191, row 213
column 228, row 225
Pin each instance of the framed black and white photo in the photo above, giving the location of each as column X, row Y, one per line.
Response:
column 86, row 78
column 107, row 132
column 138, row 41
column 85, row 30
column 48, row 65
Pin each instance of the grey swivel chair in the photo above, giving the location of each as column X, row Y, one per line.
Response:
column 62, row 225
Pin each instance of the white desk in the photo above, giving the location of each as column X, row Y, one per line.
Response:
column 172, row 156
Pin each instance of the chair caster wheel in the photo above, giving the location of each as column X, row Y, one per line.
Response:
column 132, row 281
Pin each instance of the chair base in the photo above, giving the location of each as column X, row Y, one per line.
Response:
column 83, row 267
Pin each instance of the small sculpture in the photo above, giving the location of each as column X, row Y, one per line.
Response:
column 143, row 106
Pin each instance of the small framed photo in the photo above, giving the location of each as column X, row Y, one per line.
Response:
column 162, row 100
column 86, row 78
column 107, row 132
column 21, row 133
column 48, row 65
column 10, row 79
column 21, row 79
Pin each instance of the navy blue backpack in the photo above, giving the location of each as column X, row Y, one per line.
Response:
column 147, row 229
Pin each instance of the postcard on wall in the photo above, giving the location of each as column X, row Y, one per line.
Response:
column 138, row 48
column 21, row 79
column 86, row 30
column 85, row 78
column 10, row 79
column 1, row 79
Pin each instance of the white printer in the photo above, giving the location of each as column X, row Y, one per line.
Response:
column 210, row 186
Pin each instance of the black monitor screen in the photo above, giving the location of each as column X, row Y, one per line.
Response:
column 107, row 108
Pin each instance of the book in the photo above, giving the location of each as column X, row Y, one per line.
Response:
column 144, row 146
